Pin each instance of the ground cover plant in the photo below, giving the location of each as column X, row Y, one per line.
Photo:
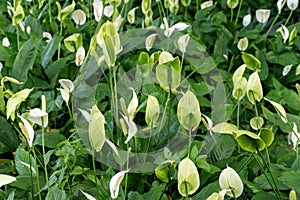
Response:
column 161, row 99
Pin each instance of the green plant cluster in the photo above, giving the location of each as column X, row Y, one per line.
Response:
column 221, row 77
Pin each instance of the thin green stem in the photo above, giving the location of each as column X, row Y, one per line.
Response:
column 44, row 156
column 231, row 16
column 275, row 19
column 18, row 36
column 59, row 44
column 288, row 19
column 238, row 113
column 190, row 142
column 238, row 13
column 272, row 177
column 116, row 95
column 37, row 174
column 162, row 9
column 49, row 12
column 127, row 165
column 95, row 174
column 163, row 117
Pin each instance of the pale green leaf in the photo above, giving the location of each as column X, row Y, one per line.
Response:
column 188, row 111
column 251, row 61
column 14, row 101
column 279, row 109
column 96, row 129
column 73, row 42
column 63, row 13
column 249, row 141
column 224, row 128
column 188, row 177
column 267, row 136
column 256, row 123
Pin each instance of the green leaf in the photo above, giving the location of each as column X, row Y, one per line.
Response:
column 8, row 138
column 165, row 171
column 267, row 136
column 23, row 156
column 50, row 50
column 168, row 74
column 251, row 61
column 14, row 102
column 291, row 179
column 188, row 177
column 224, row 128
column 54, row 68
column 249, row 141
column 279, row 109
column 144, row 67
column 96, row 129
column 25, row 58
column 6, row 53
column 51, row 139
column 188, row 111
column 56, row 193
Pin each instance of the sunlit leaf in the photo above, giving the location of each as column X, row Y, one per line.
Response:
column 279, row 109
column 224, row 128
column 251, row 61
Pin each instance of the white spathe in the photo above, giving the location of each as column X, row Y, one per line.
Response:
column 80, row 55
column 98, row 9
column 38, row 116
column 114, row 184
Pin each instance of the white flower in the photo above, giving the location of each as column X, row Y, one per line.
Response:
column 1, row 66
column 150, row 41
column 118, row 21
column 10, row 9
column 294, row 137
column 79, row 17
column 114, row 184
column 230, row 181
column 247, row 20
column 108, row 11
column 27, row 130
column 243, row 44
column 132, row 129
column 280, row 4
column 80, row 55
column 286, row 70
column 292, row 4
column 88, row 196
column 48, row 36
column 262, row 15
column 67, row 85
column 179, row 27
column 133, row 104
column 6, row 179
column 38, row 116
column 85, row 114
column 21, row 24
column 5, row 42
column 284, row 32
column 28, row 30
column 297, row 70
column 183, row 42
column 98, row 9
column 206, row 4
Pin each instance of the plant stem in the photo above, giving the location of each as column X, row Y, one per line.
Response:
column 190, row 141
column 127, row 165
column 44, row 155
column 238, row 113
column 37, row 174
column 95, row 173
column 272, row 177
column 231, row 17
column 288, row 18
column 272, row 24
column 18, row 36
column 238, row 13
column 59, row 44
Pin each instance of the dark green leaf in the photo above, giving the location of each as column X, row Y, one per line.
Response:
column 8, row 138
column 25, row 58
column 50, row 50
column 51, row 139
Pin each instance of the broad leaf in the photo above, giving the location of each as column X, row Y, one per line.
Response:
column 251, row 61
column 249, row 141
column 8, row 139
column 25, row 58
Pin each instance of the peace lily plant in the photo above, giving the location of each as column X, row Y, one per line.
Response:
column 164, row 99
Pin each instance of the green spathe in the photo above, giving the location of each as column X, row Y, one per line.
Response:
column 188, row 111
column 96, row 129
column 229, row 180
column 188, row 177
